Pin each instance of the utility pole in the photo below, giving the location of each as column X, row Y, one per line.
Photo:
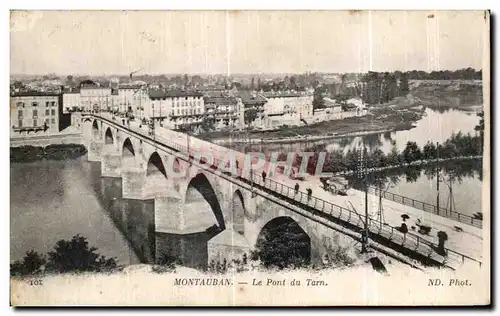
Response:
column 437, row 178
column 366, row 232
column 361, row 173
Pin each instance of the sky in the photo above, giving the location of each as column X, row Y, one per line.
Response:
column 205, row 42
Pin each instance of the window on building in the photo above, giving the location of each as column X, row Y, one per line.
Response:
column 20, row 113
column 35, row 113
column 47, row 103
column 53, row 121
column 53, row 112
column 20, row 123
column 35, row 122
column 34, row 104
column 47, row 112
column 20, row 104
column 53, row 103
column 47, row 121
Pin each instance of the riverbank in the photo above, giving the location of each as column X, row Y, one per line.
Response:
column 376, row 122
column 399, row 114
column 70, row 135
column 50, row 152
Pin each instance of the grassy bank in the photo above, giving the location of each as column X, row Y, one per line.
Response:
column 379, row 119
column 50, row 152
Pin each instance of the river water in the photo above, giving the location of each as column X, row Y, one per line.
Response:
column 53, row 200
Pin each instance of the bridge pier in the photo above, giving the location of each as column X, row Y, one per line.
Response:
column 183, row 231
column 94, row 150
column 111, row 164
column 229, row 245
column 133, row 180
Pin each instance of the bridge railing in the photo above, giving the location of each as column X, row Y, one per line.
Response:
column 427, row 207
column 326, row 209
column 375, row 227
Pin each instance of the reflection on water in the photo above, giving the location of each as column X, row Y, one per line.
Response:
column 54, row 200
column 435, row 126
column 464, row 178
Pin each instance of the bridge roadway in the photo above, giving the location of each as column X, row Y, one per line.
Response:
column 328, row 206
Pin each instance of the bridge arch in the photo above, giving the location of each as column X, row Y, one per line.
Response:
column 108, row 137
column 238, row 212
column 128, row 153
column 283, row 243
column 96, row 133
column 200, row 189
column 156, row 182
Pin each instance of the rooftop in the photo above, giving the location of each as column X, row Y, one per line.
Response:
column 251, row 98
column 286, row 94
column 158, row 94
column 34, row 94
column 71, row 90
column 221, row 100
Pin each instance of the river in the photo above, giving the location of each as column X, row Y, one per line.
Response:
column 54, row 200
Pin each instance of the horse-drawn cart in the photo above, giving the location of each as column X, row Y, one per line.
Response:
column 335, row 185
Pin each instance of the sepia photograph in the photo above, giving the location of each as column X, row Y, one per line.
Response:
column 249, row 158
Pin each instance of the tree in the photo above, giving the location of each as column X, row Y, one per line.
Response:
column 259, row 84
column 69, row 80
column 318, row 99
column 293, row 83
column 250, row 115
column 404, row 87
column 429, row 151
column 252, row 84
column 284, row 246
column 31, row 264
column 342, row 98
column 75, row 255
column 412, row 152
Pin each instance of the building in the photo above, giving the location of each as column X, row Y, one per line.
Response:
column 95, row 97
column 331, row 106
column 175, row 109
column 37, row 112
column 288, row 108
column 71, row 100
column 221, row 112
column 251, row 109
column 127, row 97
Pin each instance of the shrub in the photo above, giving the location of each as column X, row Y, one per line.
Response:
column 32, row 263
column 76, row 255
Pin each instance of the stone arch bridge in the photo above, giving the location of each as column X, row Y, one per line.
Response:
column 191, row 197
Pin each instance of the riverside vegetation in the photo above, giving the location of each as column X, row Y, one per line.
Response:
column 50, row 152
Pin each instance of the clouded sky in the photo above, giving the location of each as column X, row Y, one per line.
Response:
column 115, row 42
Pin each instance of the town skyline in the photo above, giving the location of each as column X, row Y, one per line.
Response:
column 222, row 42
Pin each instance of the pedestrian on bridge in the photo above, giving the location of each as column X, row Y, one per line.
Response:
column 309, row 194
column 264, row 174
column 296, row 188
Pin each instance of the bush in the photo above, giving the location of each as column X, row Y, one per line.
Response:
column 166, row 264
column 76, row 255
column 50, row 152
column 32, row 263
